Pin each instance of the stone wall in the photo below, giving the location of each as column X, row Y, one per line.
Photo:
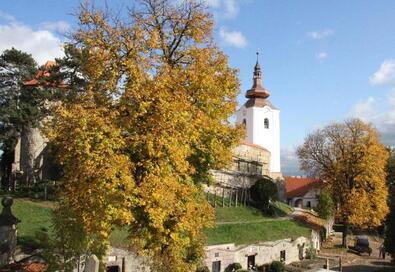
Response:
column 265, row 252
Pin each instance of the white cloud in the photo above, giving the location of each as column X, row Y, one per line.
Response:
column 42, row 44
column 227, row 9
column 380, row 111
column 385, row 75
column 59, row 26
column 289, row 162
column 321, row 34
column 234, row 38
column 365, row 110
column 322, row 55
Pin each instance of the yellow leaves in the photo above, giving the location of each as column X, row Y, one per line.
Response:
column 351, row 159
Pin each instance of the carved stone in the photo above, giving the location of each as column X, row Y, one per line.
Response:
column 8, row 233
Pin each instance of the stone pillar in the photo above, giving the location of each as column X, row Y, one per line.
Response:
column 7, row 232
column 92, row 264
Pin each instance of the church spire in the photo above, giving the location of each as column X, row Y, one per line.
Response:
column 257, row 90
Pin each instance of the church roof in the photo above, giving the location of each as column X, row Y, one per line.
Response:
column 257, row 95
column 298, row 187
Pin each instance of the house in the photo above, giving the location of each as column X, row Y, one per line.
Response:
column 302, row 192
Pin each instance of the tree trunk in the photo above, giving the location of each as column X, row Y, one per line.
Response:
column 345, row 233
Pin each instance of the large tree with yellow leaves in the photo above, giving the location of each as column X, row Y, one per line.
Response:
column 146, row 122
column 351, row 159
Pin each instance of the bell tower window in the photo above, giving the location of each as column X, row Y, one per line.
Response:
column 244, row 122
column 266, row 123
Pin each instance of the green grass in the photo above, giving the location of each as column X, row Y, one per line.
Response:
column 238, row 214
column 253, row 232
column 281, row 209
column 35, row 216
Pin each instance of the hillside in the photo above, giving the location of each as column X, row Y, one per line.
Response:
column 239, row 225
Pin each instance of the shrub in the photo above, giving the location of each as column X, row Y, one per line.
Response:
column 311, row 253
column 233, row 267
column 325, row 205
column 262, row 192
column 203, row 269
column 277, row 266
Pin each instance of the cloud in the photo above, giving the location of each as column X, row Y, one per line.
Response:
column 385, row 75
column 380, row 112
column 289, row 162
column 322, row 55
column 234, row 38
column 365, row 110
column 322, row 34
column 42, row 44
column 59, row 26
column 227, row 9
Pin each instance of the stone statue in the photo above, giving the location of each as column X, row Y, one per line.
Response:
column 7, row 232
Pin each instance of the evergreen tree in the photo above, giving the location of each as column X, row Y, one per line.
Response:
column 20, row 105
column 389, row 241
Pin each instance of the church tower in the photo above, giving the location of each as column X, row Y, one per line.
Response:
column 261, row 120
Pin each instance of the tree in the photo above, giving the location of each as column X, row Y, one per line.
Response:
column 262, row 192
column 350, row 157
column 325, row 207
column 389, row 241
column 21, row 106
column 138, row 139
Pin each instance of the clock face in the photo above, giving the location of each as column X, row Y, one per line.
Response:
column 266, row 109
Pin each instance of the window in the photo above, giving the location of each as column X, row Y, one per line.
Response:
column 250, row 261
column 266, row 123
column 113, row 268
column 216, row 266
column 282, row 255
column 244, row 122
column 216, row 254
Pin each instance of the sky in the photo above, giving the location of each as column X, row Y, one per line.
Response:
column 323, row 61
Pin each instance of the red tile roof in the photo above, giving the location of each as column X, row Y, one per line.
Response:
column 41, row 73
column 300, row 186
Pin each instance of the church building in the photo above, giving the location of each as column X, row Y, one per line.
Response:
column 262, row 121
column 258, row 155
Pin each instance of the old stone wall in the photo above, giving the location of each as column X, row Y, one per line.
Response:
column 265, row 252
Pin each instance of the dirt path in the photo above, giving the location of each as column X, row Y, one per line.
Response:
column 353, row 262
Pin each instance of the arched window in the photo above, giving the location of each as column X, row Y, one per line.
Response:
column 245, row 122
column 266, row 123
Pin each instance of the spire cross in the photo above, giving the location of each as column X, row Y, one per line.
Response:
column 257, row 57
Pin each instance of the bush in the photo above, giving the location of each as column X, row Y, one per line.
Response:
column 262, row 192
column 311, row 253
column 263, row 268
column 277, row 266
column 203, row 269
column 325, row 206
column 233, row 267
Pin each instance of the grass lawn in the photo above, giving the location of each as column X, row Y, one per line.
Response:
column 241, row 233
column 35, row 215
column 238, row 214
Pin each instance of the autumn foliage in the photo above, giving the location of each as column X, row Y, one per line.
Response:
column 139, row 134
column 352, row 161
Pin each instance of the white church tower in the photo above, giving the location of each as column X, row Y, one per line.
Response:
column 262, row 121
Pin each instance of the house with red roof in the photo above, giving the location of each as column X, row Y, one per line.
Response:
column 302, row 192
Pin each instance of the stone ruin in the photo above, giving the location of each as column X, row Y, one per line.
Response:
column 8, row 232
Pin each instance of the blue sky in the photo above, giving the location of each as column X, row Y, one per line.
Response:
column 323, row 61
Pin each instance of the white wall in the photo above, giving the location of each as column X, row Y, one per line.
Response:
column 256, row 133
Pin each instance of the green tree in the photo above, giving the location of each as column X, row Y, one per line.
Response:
column 325, row 207
column 21, row 105
column 139, row 133
column 351, row 159
column 389, row 241
column 262, row 192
